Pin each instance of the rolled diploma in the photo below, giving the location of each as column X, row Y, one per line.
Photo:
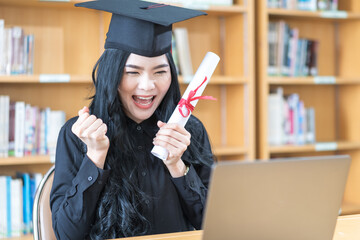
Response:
column 205, row 70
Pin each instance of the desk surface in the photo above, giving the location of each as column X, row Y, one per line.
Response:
column 347, row 228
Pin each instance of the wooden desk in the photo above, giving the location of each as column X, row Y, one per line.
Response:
column 347, row 228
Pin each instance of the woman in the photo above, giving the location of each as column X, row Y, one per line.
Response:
column 107, row 184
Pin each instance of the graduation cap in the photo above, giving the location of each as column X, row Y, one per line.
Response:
column 140, row 27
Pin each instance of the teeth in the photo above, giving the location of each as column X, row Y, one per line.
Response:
column 145, row 98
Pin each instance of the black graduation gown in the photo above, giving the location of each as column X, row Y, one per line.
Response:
column 175, row 204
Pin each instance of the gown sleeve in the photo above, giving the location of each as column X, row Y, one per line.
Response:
column 193, row 187
column 76, row 187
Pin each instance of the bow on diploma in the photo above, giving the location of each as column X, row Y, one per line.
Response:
column 190, row 98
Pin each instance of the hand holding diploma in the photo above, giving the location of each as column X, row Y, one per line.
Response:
column 190, row 98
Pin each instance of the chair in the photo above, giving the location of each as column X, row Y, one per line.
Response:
column 42, row 222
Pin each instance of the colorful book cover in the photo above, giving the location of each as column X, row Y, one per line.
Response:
column 27, row 217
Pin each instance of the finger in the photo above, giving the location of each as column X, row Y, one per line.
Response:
column 100, row 133
column 83, row 110
column 160, row 124
column 171, row 141
column 83, row 127
column 169, row 135
column 83, row 114
column 93, row 127
column 174, row 149
column 175, row 127
column 175, row 131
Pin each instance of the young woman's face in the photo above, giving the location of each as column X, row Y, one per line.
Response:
column 144, row 84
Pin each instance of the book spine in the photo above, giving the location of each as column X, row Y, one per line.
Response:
column 26, row 203
column 6, row 125
column 183, row 50
column 3, row 206
column 2, row 49
column 2, row 126
column 12, row 129
column 16, row 206
column 19, row 129
column 8, row 205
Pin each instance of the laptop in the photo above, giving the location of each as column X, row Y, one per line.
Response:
column 291, row 198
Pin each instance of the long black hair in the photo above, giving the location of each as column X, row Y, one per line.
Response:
column 119, row 208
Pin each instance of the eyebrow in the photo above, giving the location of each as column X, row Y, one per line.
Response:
column 141, row 68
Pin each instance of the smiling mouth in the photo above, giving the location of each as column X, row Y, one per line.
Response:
column 144, row 101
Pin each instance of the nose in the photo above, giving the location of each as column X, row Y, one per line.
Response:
column 146, row 83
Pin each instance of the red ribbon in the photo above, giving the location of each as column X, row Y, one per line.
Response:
column 190, row 98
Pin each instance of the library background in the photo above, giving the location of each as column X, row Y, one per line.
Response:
column 287, row 84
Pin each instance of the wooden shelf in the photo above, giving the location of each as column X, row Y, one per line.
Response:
column 350, row 208
column 333, row 146
column 27, row 160
column 24, row 237
column 36, row 78
column 334, row 15
column 229, row 150
column 226, row 10
column 324, row 80
column 336, row 94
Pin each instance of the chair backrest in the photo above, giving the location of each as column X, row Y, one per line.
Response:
column 41, row 210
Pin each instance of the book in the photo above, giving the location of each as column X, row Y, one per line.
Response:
column 285, row 68
column 2, row 49
column 293, row 49
column 276, row 117
column 272, row 43
column 175, row 54
column 313, row 66
column 26, row 209
column 32, row 116
column 11, row 141
column 183, row 52
column 310, row 125
column 16, row 207
column 323, row 5
column 293, row 101
column 29, row 53
column 19, row 128
column 8, row 49
column 3, row 207
column 307, row 5
column 17, row 36
column 4, row 125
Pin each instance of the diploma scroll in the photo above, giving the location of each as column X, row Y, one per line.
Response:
column 190, row 97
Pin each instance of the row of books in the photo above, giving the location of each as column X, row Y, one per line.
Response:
column 306, row 5
column 290, row 55
column 16, row 50
column 28, row 130
column 289, row 121
column 16, row 203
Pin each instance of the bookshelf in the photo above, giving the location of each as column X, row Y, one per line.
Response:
column 334, row 97
column 69, row 40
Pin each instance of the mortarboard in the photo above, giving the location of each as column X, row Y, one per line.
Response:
column 140, row 27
